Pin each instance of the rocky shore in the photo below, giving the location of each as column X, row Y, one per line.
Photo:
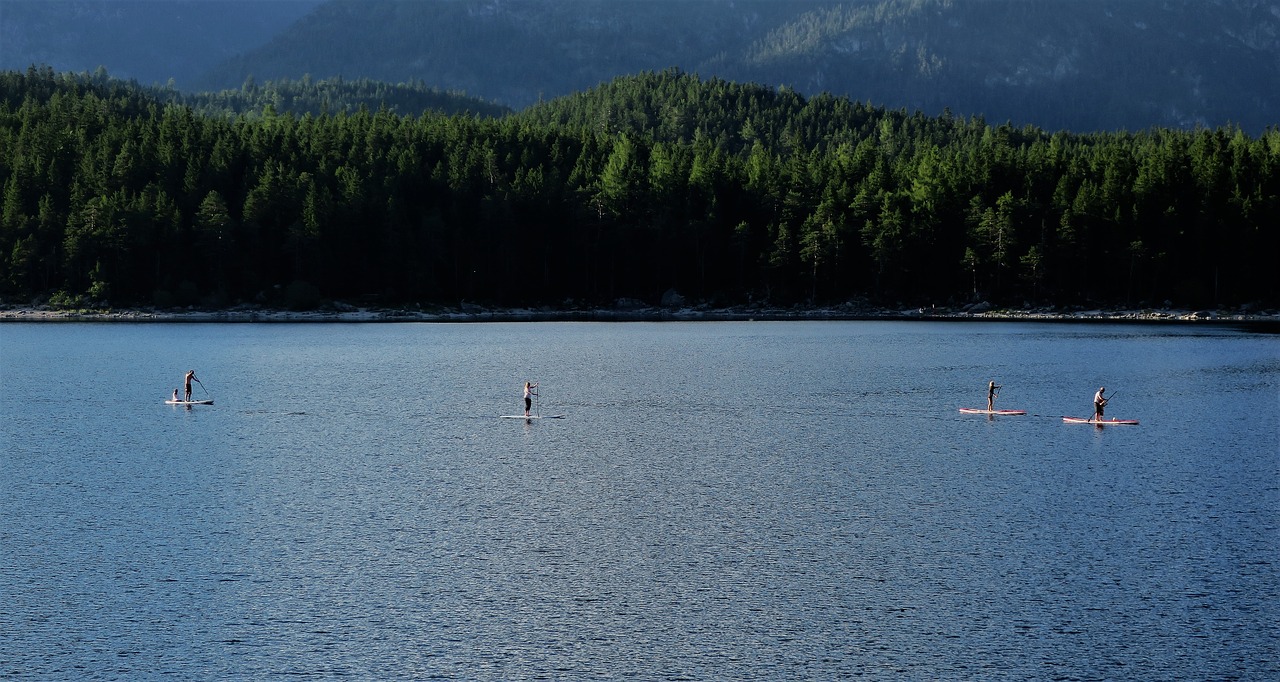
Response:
column 633, row 312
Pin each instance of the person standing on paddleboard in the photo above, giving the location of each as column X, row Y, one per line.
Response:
column 1099, row 404
column 530, row 390
column 186, row 382
column 991, row 395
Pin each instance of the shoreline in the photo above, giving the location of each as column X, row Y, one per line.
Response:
column 1268, row 320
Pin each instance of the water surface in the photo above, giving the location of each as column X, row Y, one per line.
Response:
column 722, row 501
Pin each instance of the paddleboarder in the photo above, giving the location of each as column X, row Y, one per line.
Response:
column 530, row 391
column 186, row 382
column 992, row 389
column 175, row 395
column 1099, row 404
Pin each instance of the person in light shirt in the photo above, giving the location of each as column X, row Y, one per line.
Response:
column 1099, row 403
column 530, row 390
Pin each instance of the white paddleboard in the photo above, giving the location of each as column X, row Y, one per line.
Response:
column 1105, row 422
column 532, row 416
column 188, row 402
column 975, row 410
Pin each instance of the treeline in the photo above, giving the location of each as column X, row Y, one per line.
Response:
column 726, row 193
column 303, row 96
column 336, row 96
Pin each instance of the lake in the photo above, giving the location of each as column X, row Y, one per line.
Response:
column 721, row 501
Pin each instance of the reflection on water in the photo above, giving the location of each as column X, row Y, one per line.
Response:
column 722, row 501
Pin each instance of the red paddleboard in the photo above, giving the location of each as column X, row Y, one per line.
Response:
column 975, row 410
column 1103, row 422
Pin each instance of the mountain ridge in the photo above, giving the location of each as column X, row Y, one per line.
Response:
column 1085, row 65
column 150, row 41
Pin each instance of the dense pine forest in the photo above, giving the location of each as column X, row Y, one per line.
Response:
column 726, row 193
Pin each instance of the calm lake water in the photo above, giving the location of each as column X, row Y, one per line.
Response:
column 722, row 501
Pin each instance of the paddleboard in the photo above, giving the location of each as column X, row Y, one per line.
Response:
column 532, row 416
column 974, row 410
column 1104, row 422
column 188, row 402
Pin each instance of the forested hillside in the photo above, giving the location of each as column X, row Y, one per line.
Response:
column 726, row 193
column 1082, row 65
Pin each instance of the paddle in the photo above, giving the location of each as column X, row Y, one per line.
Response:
column 206, row 391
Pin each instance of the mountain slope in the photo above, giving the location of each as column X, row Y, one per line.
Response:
column 1083, row 65
column 1114, row 64
column 149, row 41
column 517, row 52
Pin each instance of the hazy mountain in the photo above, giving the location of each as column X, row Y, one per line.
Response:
column 514, row 51
column 1082, row 64
column 1079, row 64
column 1076, row 64
column 147, row 40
